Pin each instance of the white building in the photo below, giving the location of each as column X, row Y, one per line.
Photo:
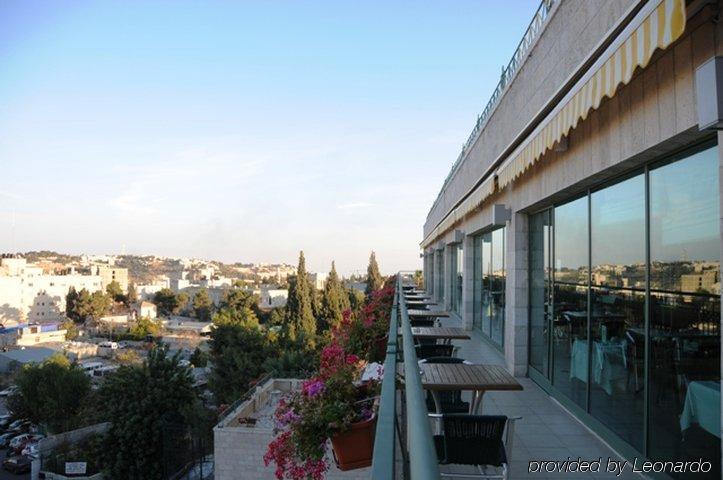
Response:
column 26, row 294
column 318, row 280
column 272, row 297
column 146, row 309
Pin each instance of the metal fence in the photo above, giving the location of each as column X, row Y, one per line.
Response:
column 508, row 73
column 415, row 440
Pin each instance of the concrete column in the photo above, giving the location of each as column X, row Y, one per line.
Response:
column 438, row 274
column 468, row 283
column 447, row 275
column 516, row 291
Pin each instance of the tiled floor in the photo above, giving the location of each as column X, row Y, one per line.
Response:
column 546, row 431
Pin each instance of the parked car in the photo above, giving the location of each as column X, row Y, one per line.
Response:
column 19, row 424
column 30, row 450
column 108, row 344
column 7, row 436
column 8, row 391
column 18, row 443
column 18, row 464
column 5, row 420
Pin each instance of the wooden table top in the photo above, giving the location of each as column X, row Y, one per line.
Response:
column 427, row 313
column 461, row 376
column 420, row 302
column 439, row 332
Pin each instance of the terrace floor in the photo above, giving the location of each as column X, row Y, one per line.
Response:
column 545, row 432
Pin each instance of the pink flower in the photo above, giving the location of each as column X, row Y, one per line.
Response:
column 314, row 387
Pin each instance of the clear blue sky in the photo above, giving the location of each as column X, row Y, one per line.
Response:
column 240, row 131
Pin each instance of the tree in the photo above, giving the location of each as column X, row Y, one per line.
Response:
column 299, row 321
column 132, row 295
column 51, row 393
column 356, row 299
column 147, row 406
column 71, row 305
column 113, row 289
column 202, row 305
column 82, row 305
column 71, row 329
column 374, row 278
column 143, row 327
column 199, row 358
column 334, row 299
column 237, row 354
column 169, row 303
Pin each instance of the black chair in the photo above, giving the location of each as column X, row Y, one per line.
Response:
column 425, row 351
column 422, row 322
column 450, row 400
column 481, row 440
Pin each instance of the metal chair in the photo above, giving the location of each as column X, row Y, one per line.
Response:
column 425, row 351
column 450, row 400
column 484, row 441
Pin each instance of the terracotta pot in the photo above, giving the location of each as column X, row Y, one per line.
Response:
column 353, row 449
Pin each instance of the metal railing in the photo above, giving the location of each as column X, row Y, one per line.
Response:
column 508, row 73
column 421, row 456
column 383, row 464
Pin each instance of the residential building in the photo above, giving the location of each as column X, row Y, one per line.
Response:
column 146, row 309
column 579, row 230
column 111, row 273
column 272, row 297
column 27, row 294
column 40, row 333
column 318, row 279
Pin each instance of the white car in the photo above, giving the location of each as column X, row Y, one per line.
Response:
column 8, row 391
column 107, row 344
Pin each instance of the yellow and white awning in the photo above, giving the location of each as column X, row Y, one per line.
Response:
column 658, row 24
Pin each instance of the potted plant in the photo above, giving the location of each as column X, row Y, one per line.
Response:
column 335, row 405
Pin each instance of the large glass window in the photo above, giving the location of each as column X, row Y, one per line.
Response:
column 685, row 309
column 540, row 292
column 489, row 284
column 635, row 282
column 570, row 300
column 617, row 310
column 439, row 270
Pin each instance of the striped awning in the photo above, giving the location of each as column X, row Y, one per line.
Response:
column 658, row 24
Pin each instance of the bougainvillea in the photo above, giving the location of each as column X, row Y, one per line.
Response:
column 335, row 398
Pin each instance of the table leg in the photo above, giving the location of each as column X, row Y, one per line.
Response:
column 476, row 405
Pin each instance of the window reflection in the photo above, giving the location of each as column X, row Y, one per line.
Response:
column 489, row 284
column 457, row 273
column 685, row 310
column 540, row 301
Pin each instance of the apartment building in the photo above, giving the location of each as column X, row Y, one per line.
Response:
column 579, row 229
column 29, row 295
column 111, row 273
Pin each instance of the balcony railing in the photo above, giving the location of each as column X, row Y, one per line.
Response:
column 508, row 73
column 417, row 445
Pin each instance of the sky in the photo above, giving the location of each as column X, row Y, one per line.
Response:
column 240, row 131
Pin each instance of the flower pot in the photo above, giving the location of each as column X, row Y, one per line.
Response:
column 353, row 448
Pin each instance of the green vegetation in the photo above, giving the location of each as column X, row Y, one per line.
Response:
column 374, row 278
column 169, row 303
column 83, row 305
column 114, row 290
column 152, row 407
column 143, row 327
column 334, row 300
column 202, row 305
column 52, row 393
column 299, row 321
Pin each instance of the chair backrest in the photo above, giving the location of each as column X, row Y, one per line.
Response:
column 442, row 360
column 474, row 439
column 422, row 322
column 435, row 350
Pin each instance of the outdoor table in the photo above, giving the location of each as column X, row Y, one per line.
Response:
column 420, row 302
column 427, row 313
column 462, row 376
column 609, row 364
column 416, row 296
column 702, row 406
column 443, row 333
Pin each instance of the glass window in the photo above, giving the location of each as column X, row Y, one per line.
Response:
column 489, row 284
column 540, row 293
column 570, row 300
column 685, row 310
column 439, row 289
column 617, row 312
column 456, row 274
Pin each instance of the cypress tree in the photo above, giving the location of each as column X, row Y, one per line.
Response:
column 374, row 278
column 334, row 300
column 299, row 318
